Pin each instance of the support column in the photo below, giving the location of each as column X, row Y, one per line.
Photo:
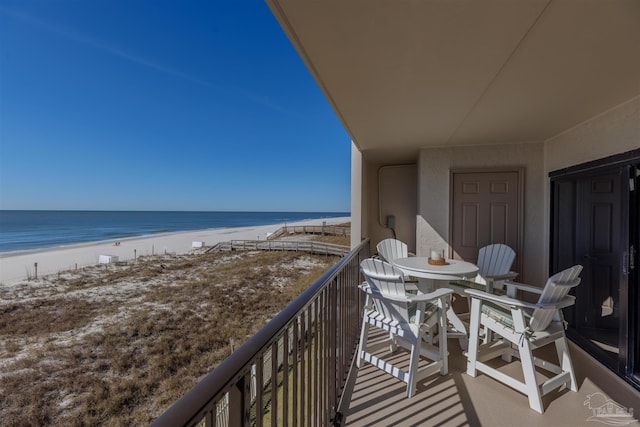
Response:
column 356, row 196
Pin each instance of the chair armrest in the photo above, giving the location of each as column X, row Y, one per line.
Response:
column 503, row 300
column 506, row 276
column 395, row 277
column 438, row 293
column 523, row 287
column 397, row 298
column 409, row 286
column 567, row 301
column 375, row 294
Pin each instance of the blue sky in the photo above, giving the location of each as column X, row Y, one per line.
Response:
column 162, row 105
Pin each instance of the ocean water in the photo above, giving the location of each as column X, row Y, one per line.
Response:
column 21, row 230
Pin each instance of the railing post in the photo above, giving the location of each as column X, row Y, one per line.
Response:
column 296, row 370
column 285, row 378
column 259, row 384
column 240, row 402
column 274, row 383
column 309, row 365
column 333, row 314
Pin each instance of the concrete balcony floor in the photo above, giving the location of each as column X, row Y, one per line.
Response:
column 457, row 399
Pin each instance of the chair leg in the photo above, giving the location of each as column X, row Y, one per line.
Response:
column 442, row 337
column 474, row 333
column 488, row 336
column 506, row 355
column 413, row 366
column 527, row 361
column 364, row 332
column 529, row 371
column 430, row 327
column 562, row 349
column 393, row 346
column 458, row 327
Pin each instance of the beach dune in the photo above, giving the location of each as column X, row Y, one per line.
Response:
column 19, row 265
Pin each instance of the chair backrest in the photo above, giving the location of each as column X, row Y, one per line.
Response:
column 386, row 281
column 496, row 259
column 392, row 249
column 557, row 287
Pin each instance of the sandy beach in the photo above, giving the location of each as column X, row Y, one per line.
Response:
column 18, row 265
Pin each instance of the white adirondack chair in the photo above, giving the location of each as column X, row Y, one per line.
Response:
column 524, row 327
column 494, row 262
column 390, row 250
column 407, row 318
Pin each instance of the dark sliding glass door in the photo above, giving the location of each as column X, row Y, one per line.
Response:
column 595, row 224
column 634, row 272
column 599, row 236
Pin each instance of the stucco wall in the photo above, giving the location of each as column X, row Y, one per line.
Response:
column 432, row 224
column 379, row 202
column 612, row 132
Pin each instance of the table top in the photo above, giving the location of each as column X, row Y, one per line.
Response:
column 420, row 267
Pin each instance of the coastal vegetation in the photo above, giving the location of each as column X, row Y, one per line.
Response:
column 118, row 344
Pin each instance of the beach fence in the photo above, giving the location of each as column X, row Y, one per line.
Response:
column 324, row 230
column 311, row 246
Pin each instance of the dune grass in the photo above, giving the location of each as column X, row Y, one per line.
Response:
column 117, row 345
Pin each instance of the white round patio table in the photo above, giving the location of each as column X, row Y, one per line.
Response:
column 420, row 267
column 429, row 276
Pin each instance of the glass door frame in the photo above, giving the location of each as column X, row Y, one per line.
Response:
column 627, row 364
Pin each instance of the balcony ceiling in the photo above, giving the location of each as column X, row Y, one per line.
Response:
column 429, row 73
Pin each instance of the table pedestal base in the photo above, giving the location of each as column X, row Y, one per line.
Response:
column 456, row 327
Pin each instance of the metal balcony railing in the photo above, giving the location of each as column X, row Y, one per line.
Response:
column 293, row 371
